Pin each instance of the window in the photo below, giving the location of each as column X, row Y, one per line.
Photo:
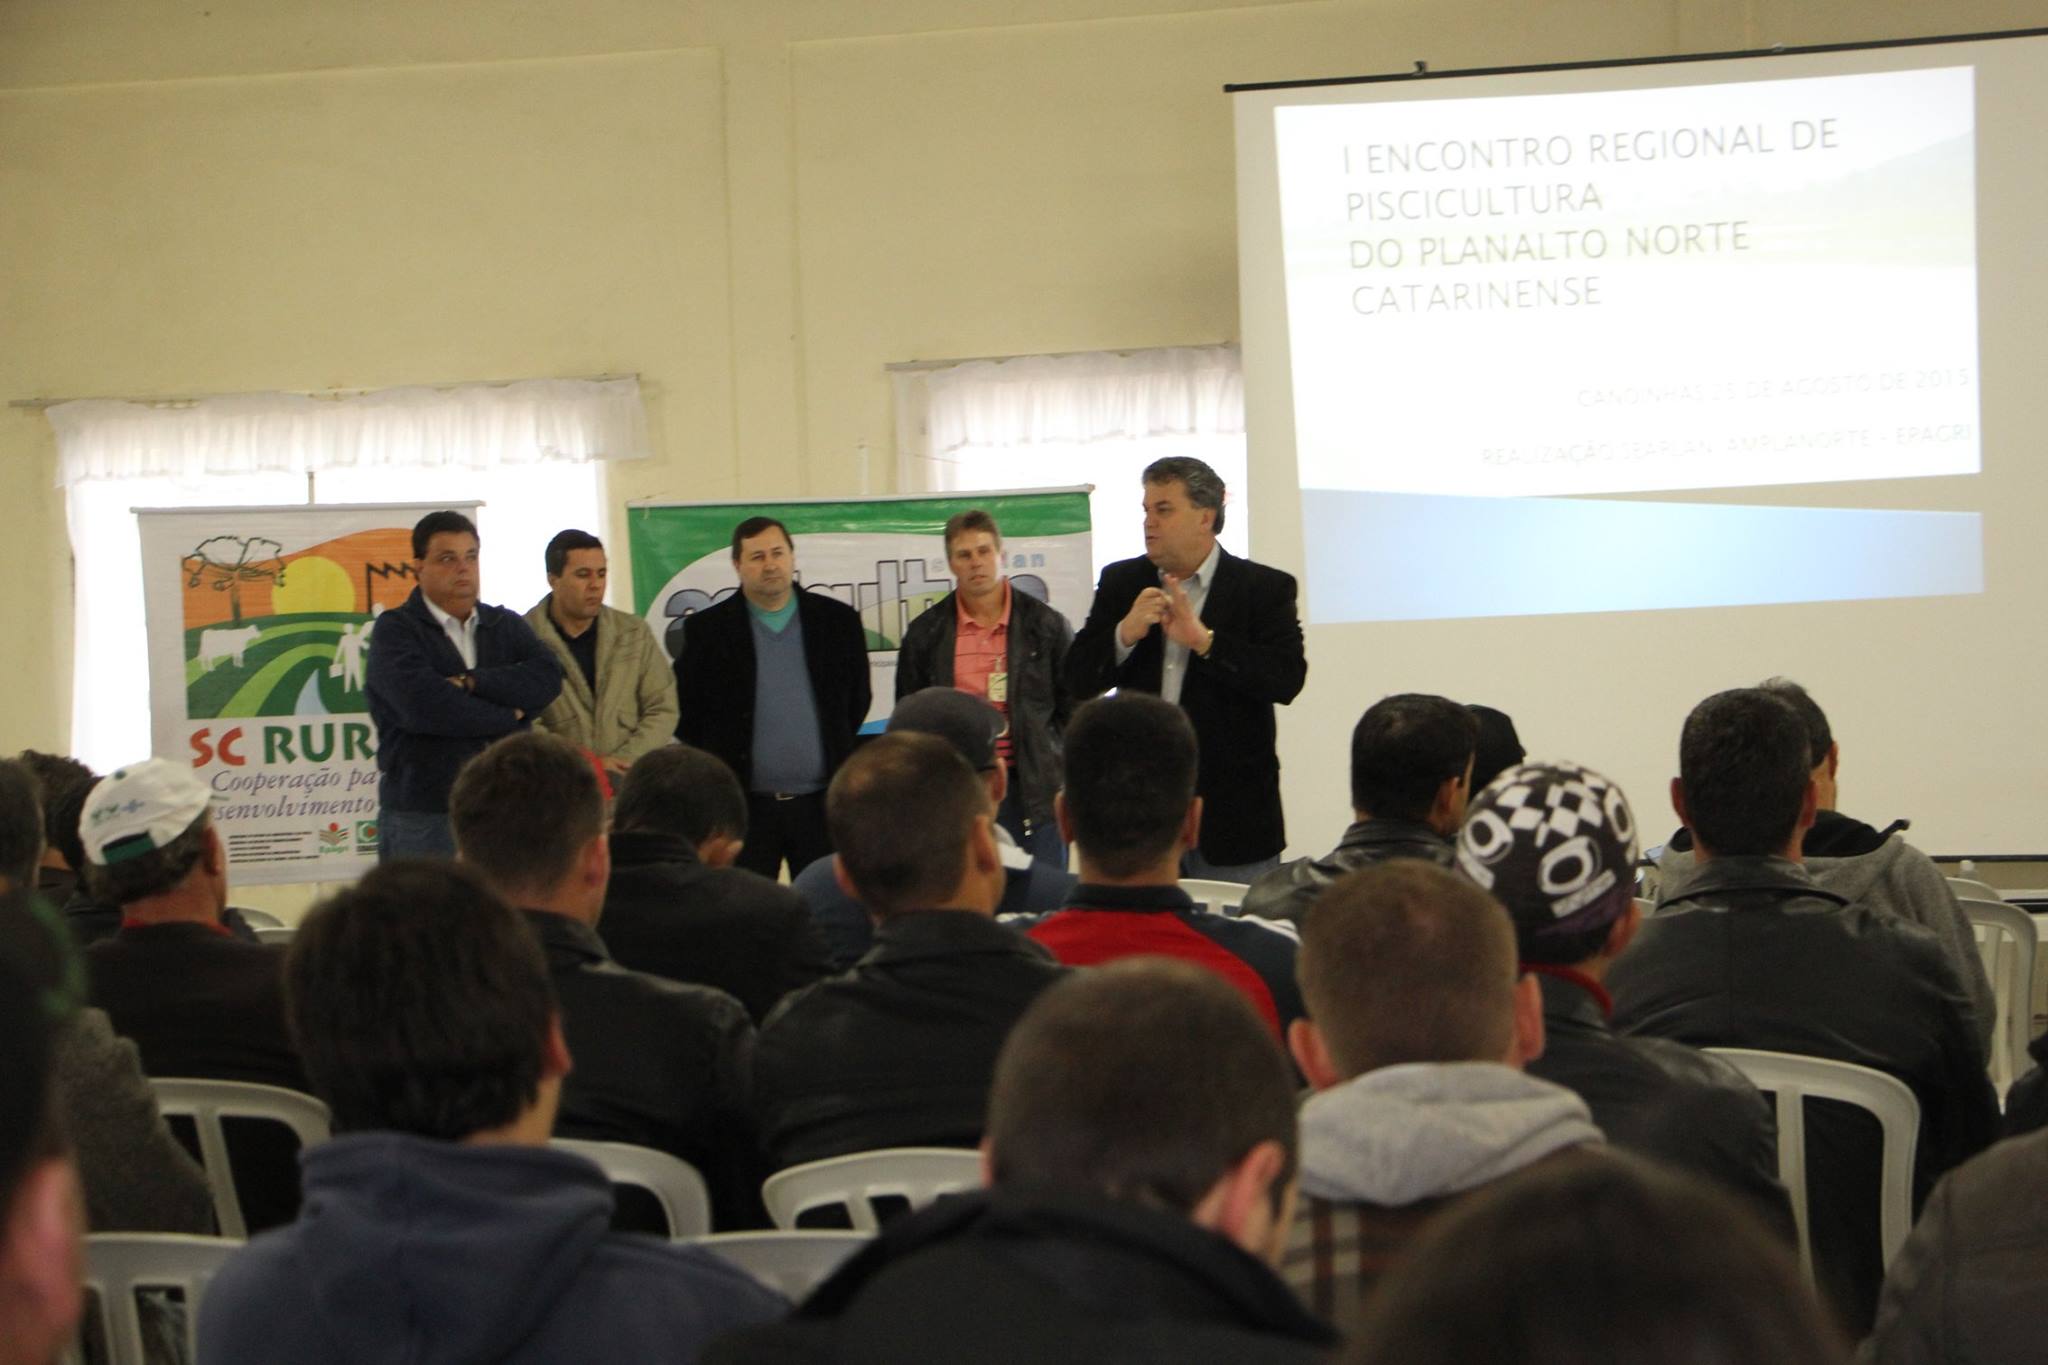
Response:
column 1064, row 421
column 116, row 467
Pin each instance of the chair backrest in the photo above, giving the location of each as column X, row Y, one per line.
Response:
column 674, row 1183
column 1791, row 1080
column 206, row 1103
column 2007, row 939
column 1968, row 888
column 791, row 1263
column 274, row 933
column 1224, row 898
column 913, row 1176
column 118, row 1265
column 261, row 919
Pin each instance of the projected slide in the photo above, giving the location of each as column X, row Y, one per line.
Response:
column 1538, row 297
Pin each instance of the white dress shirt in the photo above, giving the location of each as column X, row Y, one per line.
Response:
column 462, row 634
column 1174, row 670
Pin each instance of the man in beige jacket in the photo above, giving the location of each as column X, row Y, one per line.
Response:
column 618, row 695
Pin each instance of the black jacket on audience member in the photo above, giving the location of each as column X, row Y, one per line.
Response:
column 1288, row 890
column 993, row 1277
column 1662, row 1099
column 667, row 913
column 900, row 1050
column 1751, row 953
column 656, row 1063
column 197, row 1002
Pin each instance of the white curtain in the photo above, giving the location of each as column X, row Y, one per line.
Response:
column 523, row 449
column 1099, row 418
column 472, row 426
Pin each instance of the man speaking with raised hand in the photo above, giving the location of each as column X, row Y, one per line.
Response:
column 1218, row 636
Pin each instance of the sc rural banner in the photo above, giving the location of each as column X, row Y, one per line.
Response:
column 259, row 630
column 885, row 557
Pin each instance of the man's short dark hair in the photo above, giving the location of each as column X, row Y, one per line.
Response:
column 1404, row 748
column 973, row 519
column 1597, row 1256
column 1819, row 736
column 439, row 523
column 523, row 809
column 21, row 823
column 901, row 813
column 754, row 526
column 1742, row 762
column 1497, row 747
column 1141, row 1082
column 148, row 874
column 1403, row 961
column 1204, row 485
column 1131, row 762
column 681, row 791
column 420, row 1003
column 556, row 557
column 42, row 986
column 65, row 783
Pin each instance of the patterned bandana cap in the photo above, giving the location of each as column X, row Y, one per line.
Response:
column 1556, row 844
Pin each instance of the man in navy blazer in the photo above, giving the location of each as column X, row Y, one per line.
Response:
column 1215, row 634
column 447, row 675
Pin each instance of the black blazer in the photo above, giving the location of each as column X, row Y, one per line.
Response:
column 1256, row 662
column 197, row 1003
column 715, row 679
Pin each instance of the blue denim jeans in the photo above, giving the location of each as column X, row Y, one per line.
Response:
column 413, row 834
column 1193, row 864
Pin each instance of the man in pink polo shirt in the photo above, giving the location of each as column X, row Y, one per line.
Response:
column 991, row 638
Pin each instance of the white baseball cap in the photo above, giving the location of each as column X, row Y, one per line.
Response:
column 140, row 808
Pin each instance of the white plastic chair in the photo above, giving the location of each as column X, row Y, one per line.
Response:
column 261, row 919
column 1968, row 888
column 206, row 1103
column 674, row 1183
column 120, row 1263
column 1223, row 898
column 274, row 933
column 917, row 1175
column 791, row 1263
column 1791, row 1079
column 2007, row 939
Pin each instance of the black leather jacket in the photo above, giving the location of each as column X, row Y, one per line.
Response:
column 899, row 1051
column 1039, row 700
column 1288, row 890
column 1662, row 1099
column 1751, row 953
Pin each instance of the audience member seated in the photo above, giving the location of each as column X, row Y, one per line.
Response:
column 1497, row 749
column 1752, row 953
column 438, row 1224
column 1130, row 807
column 1418, row 1031
column 41, row 1261
column 972, row 726
column 196, row 1000
column 137, row 1177
column 1967, row 1285
column 1140, row 1165
column 1556, row 844
column 1411, row 766
column 658, row 1063
column 898, row 1051
column 1857, row 862
column 1598, row 1259
column 677, row 907
column 63, row 783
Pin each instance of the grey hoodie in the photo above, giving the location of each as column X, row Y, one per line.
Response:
column 1430, row 1129
column 1896, row 880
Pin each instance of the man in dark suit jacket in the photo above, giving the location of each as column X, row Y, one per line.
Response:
column 656, row 1063
column 774, row 680
column 676, row 905
column 196, row 1000
column 447, row 675
column 1219, row 636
